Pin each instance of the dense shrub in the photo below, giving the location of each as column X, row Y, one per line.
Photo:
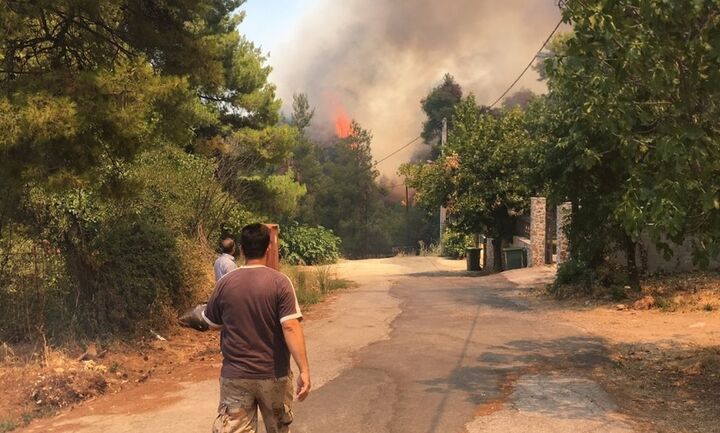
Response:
column 574, row 272
column 35, row 291
column 454, row 243
column 576, row 277
column 304, row 245
column 180, row 191
column 137, row 278
column 117, row 261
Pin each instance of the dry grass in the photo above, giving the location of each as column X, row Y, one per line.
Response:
column 693, row 291
column 685, row 292
column 45, row 380
column 667, row 389
column 313, row 283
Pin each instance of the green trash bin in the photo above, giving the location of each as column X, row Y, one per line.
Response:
column 472, row 255
column 515, row 258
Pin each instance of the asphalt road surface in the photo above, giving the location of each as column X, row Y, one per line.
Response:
column 418, row 347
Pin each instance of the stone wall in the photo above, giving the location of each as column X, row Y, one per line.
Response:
column 648, row 257
column 538, row 231
column 564, row 212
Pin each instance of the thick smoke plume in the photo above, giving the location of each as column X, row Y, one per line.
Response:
column 376, row 59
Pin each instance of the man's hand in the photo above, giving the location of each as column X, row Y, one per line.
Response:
column 303, row 386
column 293, row 332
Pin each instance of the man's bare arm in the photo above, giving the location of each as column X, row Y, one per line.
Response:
column 213, row 326
column 295, row 340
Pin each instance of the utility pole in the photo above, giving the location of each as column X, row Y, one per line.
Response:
column 407, row 215
column 443, row 212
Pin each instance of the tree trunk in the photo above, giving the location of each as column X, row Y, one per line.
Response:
column 497, row 251
column 632, row 268
column 572, row 229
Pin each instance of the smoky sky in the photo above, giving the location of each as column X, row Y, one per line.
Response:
column 378, row 58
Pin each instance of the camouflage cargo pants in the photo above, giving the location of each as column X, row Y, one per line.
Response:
column 240, row 400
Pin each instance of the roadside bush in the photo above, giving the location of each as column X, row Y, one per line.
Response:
column 578, row 277
column 180, row 190
column 119, row 256
column 454, row 243
column 313, row 284
column 574, row 272
column 138, row 278
column 304, row 245
column 35, row 290
column 426, row 250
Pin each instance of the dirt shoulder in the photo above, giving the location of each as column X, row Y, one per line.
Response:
column 665, row 362
column 45, row 381
column 45, row 385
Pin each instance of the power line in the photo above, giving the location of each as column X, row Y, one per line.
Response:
column 398, row 150
column 529, row 64
column 496, row 101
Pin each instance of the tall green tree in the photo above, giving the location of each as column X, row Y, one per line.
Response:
column 482, row 177
column 102, row 105
column 349, row 200
column 302, row 114
column 306, row 160
column 633, row 104
column 85, row 82
column 439, row 104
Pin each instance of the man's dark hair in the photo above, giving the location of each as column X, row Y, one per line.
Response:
column 227, row 245
column 254, row 240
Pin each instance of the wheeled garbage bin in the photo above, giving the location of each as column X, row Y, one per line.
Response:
column 515, row 258
column 472, row 255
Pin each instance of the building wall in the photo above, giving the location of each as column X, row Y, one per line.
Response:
column 651, row 259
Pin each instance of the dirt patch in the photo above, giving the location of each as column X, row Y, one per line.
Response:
column 664, row 348
column 507, row 387
column 666, row 389
column 58, row 390
column 46, row 381
column 684, row 292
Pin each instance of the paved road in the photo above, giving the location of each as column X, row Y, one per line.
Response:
column 417, row 347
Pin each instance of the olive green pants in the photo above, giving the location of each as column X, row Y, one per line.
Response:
column 240, row 400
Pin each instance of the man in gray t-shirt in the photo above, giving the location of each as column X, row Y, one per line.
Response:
column 259, row 316
column 226, row 262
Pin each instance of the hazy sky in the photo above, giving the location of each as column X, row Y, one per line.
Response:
column 271, row 22
column 379, row 58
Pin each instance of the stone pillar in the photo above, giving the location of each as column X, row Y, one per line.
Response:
column 538, row 222
column 443, row 221
column 489, row 254
column 564, row 212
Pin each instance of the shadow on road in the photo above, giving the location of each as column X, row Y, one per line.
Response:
column 439, row 274
column 503, row 364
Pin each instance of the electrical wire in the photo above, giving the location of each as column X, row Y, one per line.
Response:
column 494, row 103
column 529, row 64
column 397, row 150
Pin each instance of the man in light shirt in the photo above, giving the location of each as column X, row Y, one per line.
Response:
column 226, row 262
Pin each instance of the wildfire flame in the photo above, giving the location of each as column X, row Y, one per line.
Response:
column 342, row 122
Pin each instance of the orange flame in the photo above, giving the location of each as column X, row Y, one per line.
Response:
column 342, row 122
